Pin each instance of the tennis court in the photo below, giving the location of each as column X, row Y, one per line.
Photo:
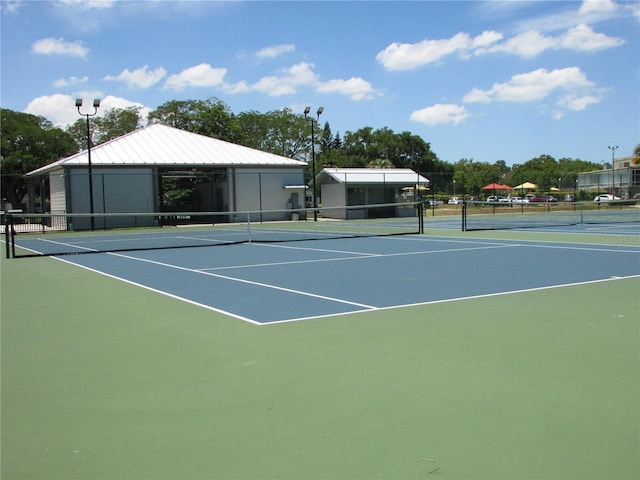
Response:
column 509, row 354
column 266, row 283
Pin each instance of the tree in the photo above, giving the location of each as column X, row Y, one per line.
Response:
column 210, row 117
column 380, row 163
column 114, row 123
column 546, row 172
column 636, row 155
column 28, row 142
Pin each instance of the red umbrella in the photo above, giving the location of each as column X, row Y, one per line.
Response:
column 497, row 186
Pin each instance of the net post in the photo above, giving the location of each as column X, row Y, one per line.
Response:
column 420, row 218
column 6, row 237
column 464, row 215
column 249, row 227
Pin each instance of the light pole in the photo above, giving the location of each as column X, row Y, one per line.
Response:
column 613, row 169
column 313, row 159
column 96, row 104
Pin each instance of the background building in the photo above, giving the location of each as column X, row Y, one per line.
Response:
column 164, row 169
column 622, row 180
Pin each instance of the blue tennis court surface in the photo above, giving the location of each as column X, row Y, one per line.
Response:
column 272, row 283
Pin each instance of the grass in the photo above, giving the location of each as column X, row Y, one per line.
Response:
column 104, row 380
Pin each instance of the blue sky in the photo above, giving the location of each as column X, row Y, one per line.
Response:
column 479, row 80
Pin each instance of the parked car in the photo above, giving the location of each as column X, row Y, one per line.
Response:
column 542, row 199
column 455, row 201
column 519, row 200
column 495, row 198
column 606, row 197
column 570, row 198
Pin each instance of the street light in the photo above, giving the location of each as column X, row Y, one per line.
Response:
column 313, row 158
column 96, row 104
column 613, row 169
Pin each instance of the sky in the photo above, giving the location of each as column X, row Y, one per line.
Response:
column 479, row 80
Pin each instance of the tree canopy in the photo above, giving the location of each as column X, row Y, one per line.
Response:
column 28, row 142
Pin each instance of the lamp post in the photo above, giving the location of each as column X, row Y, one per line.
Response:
column 313, row 158
column 613, row 169
column 96, row 104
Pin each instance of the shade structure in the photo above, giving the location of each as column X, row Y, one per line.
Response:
column 526, row 186
column 420, row 188
column 497, row 186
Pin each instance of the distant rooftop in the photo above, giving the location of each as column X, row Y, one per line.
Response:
column 160, row 145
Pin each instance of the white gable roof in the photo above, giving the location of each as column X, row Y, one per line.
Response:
column 160, row 145
column 396, row 176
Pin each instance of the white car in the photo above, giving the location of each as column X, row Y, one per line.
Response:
column 455, row 201
column 605, row 197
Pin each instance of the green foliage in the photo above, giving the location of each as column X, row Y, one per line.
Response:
column 210, row 117
column 546, row 172
column 28, row 142
column 113, row 124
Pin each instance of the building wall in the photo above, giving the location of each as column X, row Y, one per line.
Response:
column 115, row 190
column 57, row 192
column 263, row 189
column 626, row 181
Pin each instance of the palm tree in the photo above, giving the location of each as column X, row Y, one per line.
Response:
column 380, row 163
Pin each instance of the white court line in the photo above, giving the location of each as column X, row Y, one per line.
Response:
column 66, row 244
column 249, row 282
column 161, row 292
column 451, row 300
column 357, row 256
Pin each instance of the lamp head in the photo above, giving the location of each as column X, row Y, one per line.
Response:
column 307, row 110
column 96, row 103
column 78, row 102
column 320, row 110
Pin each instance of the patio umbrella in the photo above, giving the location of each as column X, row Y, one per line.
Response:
column 497, row 186
column 526, row 186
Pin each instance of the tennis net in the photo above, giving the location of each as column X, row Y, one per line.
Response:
column 75, row 233
column 502, row 216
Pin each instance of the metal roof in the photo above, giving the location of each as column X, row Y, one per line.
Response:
column 160, row 145
column 397, row 176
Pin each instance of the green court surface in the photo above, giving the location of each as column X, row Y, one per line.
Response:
column 104, row 380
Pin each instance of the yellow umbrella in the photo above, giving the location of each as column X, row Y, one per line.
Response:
column 526, row 186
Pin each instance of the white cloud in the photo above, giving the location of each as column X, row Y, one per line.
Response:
column 535, row 85
column 440, row 114
column 356, row 88
column 140, row 78
column 202, row 75
column 288, row 82
column 590, row 7
column 58, row 46
column 578, row 102
column 528, row 44
column 85, row 5
column 70, row 81
column 275, row 51
column 408, row 56
column 57, row 108
column 61, row 111
column 235, row 88
column 10, row 6
column 583, row 38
